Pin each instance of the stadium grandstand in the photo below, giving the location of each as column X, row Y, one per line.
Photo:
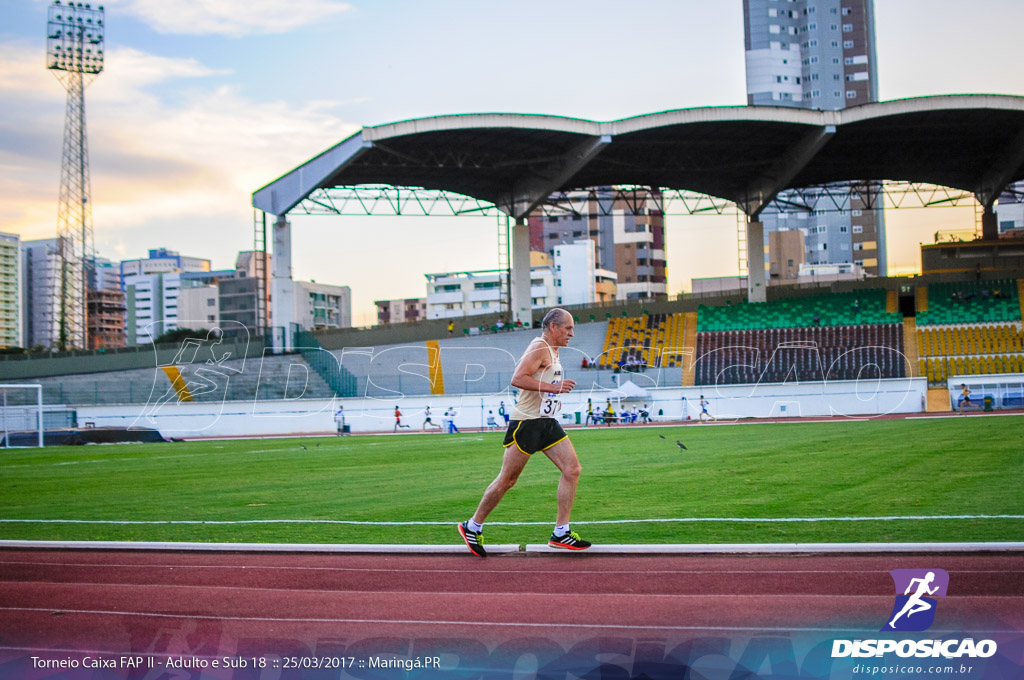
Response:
column 843, row 332
column 763, row 350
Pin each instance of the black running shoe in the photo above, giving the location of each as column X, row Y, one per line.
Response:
column 474, row 540
column 570, row 541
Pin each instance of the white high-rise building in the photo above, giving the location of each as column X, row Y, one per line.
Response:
column 151, row 301
column 575, row 273
column 818, row 54
column 151, row 287
column 1010, row 212
column 41, row 276
column 458, row 294
column 578, row 280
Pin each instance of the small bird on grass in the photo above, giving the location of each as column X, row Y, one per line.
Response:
column 304, row 448
column 318, row 445
column 662, row 436
column 681, row 445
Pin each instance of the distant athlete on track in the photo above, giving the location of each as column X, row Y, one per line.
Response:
column 965, row 400
column 427, row 422
column 704, row 409
column 398, row 420
column 534, row 427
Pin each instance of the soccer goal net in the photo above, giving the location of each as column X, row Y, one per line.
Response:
column 21, row 415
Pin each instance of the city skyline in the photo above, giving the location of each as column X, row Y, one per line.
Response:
column 203, row 103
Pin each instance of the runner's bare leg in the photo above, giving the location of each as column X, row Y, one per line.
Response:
column 563, row 455
column 512, row 463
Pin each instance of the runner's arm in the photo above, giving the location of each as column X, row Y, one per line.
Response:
column 530, row 364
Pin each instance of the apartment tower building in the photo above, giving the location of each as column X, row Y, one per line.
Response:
column 818, row 54
column 10, row 291
column 628, row 232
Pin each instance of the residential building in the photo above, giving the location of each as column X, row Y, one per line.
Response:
column 237, row 304
column 401, row 310
column 105, row 302
column 628, row 237
column 459, row 294
column 106, row 318
column 152, row 287
column 574, row 267
column 10, row 291
column 818, row 54
column 163, row 261
column 785, row 254
column 104, row 274
column 319, row 306
column 199, row 306
column 151, row 306
column 248, row 263
column 41, row 278
column 1010, row 212
column 577, row 278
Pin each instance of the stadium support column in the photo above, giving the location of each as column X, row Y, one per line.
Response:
column 522, row 303
column 282, row 288
column 989, row 224
column 757, row 286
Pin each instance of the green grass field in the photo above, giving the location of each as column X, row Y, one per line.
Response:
column 966, row 466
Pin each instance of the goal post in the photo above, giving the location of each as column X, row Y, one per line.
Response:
column 21, row 411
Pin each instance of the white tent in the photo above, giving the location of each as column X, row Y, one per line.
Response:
column 629, row 390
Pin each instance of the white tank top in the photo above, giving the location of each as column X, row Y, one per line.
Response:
column 532, row 404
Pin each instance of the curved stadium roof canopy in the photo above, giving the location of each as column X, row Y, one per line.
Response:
column 744, row 154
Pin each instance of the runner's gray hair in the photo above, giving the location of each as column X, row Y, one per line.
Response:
column 555, row 316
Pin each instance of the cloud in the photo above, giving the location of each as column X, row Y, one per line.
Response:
column 181, row 162
column 233, row 18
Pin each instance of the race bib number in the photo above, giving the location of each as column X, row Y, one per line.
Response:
column 551, row 404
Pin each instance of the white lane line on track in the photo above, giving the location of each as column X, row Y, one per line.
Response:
column 754, row 520
column 491, row 624
column 525, row 571
column 470, row 593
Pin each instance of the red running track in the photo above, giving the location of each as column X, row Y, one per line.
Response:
column 243, row 603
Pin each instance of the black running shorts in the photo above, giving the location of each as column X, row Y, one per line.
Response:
column 531, row 436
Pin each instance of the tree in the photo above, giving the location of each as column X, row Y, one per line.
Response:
column 179, row 334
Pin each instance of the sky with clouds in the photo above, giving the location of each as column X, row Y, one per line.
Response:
column 203, row 101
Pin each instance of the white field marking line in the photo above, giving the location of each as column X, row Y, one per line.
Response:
column 957, row 415
column 525, row 571
column 103, row 460
column 753, row 520
column 510, row 624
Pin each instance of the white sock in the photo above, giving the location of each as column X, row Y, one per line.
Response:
column 561, row 529
column 473, row 526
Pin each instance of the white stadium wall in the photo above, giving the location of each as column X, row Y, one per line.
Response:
column 853, row 399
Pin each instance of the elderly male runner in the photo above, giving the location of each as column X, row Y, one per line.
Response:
column 534, row 427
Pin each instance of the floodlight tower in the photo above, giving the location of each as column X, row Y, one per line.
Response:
column 74, row 52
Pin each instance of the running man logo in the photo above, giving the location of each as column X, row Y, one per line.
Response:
column 916, row 590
